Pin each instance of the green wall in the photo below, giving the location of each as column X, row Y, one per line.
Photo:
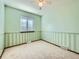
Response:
column 60, row 24
column 62, row 17
column 12, row 25
column 1, row 26
column 13, row 17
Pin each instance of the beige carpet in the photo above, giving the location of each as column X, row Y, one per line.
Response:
column 38, row 50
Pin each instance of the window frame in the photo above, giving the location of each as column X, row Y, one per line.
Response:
column 27, row 18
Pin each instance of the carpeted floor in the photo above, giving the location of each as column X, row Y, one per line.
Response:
column 38, row 50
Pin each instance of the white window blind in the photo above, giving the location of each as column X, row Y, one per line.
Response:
column 27, row 24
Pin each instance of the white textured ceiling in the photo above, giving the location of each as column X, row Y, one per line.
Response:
column 31, row 6
column 30, row 3
column 26, row 5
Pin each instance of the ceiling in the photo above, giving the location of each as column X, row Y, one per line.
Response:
column 30, row 3
column 26, row 5
column 31, row 6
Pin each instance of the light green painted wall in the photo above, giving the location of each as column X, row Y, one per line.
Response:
column 60, row 24
column 1, row 26
column 12, row 24
column 13, row 17
column 62, row 17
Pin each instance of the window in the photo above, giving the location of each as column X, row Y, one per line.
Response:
column 27, row 24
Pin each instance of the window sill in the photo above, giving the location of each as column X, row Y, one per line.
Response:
column 27, row 31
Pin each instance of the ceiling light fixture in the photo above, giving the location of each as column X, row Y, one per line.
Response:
column 41, row 3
